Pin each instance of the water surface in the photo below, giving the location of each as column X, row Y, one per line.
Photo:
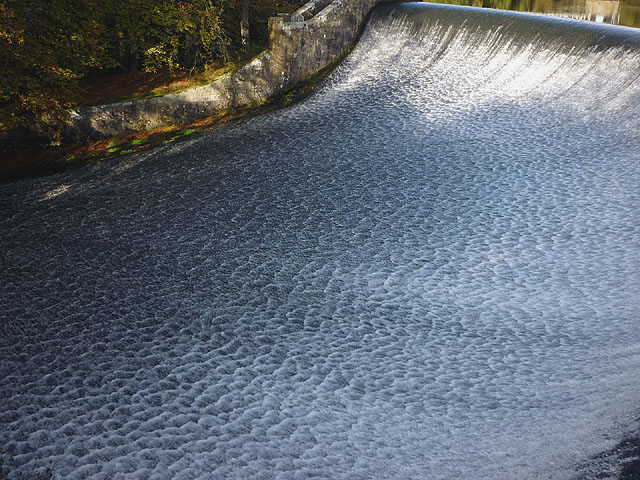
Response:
column 428, row 269
column 614, row 12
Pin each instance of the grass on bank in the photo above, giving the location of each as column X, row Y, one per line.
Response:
column 126, row 86
column 53, row 159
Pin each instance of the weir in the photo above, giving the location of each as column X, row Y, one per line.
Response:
column 427, row 269
column 300, row 45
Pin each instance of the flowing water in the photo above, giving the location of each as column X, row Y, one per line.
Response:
column 429, row 269
column 615, row 12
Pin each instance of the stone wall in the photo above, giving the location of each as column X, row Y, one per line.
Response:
column 299, row 45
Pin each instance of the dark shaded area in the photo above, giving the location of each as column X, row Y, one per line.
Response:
column 630, row 456
column 621, row 462
column 46, row 160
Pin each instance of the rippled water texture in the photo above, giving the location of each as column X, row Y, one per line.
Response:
column 428, row 269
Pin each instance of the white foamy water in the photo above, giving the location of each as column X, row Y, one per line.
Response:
column 429, row 269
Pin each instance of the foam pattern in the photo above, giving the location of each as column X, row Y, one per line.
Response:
column 428, row 269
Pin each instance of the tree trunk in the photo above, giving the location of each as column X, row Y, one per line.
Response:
column 244, row 26
column 133, row 63
column 126, row 58
column 122, row 52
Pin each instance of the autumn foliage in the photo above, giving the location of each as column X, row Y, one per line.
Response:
column 47, row 46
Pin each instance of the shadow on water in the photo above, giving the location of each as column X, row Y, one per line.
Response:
column 614, row 12
column 621, row 462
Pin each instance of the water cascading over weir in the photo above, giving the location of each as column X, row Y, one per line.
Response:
column 428, row 269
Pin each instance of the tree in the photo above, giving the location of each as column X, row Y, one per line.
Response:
column 186, row 35
column 244, row 26
column 43, row 51
column 46, row 46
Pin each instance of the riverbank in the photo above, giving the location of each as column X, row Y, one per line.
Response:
column 301, row 46
column 131, row 86
column 48, row 160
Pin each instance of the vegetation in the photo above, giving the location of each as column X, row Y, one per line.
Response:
column 52, row 159
column 49, row 48
column 123, row 86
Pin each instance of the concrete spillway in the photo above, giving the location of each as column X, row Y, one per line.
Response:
column 428, row 269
